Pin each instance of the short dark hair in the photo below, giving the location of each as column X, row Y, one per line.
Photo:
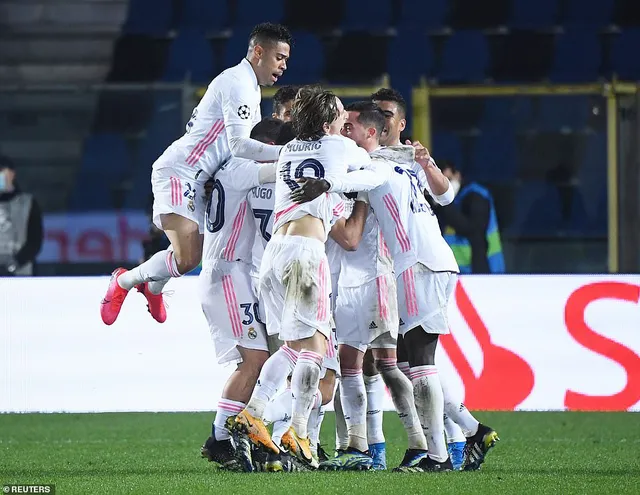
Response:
column 286, row 134
column 267, row 130
column 283, row 95
column 389, row 94
column 268, row 32
column 313, row 107
column 369, row 115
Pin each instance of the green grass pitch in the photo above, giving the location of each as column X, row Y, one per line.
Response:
column 539, row 453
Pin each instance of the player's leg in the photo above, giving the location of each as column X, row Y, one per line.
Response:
column 403, row 358
column 374, row 386
column 479, row 438
column 401, row 391
column 423, row 298
column 342, row 435
column 305, row 381
column 326, row 389
column 238, row 336
column 179, row 211
column 456, row 441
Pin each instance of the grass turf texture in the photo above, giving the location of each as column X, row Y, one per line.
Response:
column 159, row 453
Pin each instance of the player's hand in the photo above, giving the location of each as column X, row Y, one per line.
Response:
column 208, row 188
column 423, row 157
column 309, row 189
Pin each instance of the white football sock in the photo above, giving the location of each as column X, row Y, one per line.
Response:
column 354, row 396
column 304, row 387
column 160, row 266
column 401, row 392
column 226, row 408
column 342, row 436
column 272, row 376
column 453, row 431
column 374, row 386
column 279, row 412
column 405, row 368
column 315, row 421
column 456, row 410
column 156, row 286
column 429, row 401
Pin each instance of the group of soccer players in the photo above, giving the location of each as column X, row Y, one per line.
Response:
column 321, row 258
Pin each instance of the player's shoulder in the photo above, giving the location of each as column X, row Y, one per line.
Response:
column 236, row 77
column 233, row 164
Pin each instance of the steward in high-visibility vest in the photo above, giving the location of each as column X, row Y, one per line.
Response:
column 470, row 226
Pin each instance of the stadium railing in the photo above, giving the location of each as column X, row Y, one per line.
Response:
column 561, row 145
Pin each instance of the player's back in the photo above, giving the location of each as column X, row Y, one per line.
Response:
column 323, row 158
column 407, row 222
column 230, row 231
column 261, row 200
column 232, row 95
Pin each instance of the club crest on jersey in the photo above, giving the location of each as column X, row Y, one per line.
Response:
column 191, row 206
column 252, row 334
column 243, row 112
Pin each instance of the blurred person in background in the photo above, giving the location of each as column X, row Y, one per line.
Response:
column 20, row 225
column 282, row 102
column 470, row 225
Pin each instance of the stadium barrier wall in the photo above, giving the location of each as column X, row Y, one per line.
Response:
column 517, row 343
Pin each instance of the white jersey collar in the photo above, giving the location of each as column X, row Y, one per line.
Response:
column 248, row 67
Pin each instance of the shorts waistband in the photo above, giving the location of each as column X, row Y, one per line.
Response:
column 297, row 240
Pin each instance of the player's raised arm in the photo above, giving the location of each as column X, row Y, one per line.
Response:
column 438, row 184
column 238, row 122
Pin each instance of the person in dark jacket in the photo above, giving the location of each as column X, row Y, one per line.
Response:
column 21, row 231
column 470, row 225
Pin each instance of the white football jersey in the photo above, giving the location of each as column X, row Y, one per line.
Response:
column 409, row 226
column 230, row 232
column 232, row 98
column 371, row 260
column 261, row 200
column 329, row 157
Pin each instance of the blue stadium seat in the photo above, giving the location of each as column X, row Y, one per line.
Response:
column 139, row 20
column 494, row 157
column 204, row 14
column 578, row 55
column 419, row 14
column 591, row 12
column 308, row 60
column 190, row 54
column 367, row 14
column 528, row 14
column 465, row 58
column 410, row 56
column 105, row 162
column 447, row 146
column 236, row 47
column 593, row 185
column 558, row 112
column 250, row 12
column 624, row 54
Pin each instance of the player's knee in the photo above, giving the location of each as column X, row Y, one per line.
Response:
column 252, row 361
column 185, row 262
